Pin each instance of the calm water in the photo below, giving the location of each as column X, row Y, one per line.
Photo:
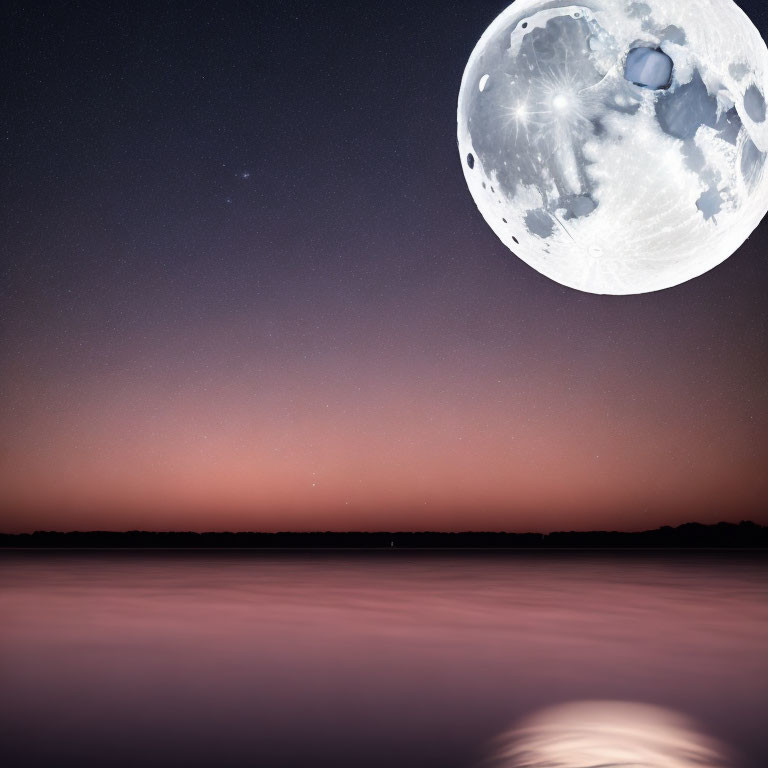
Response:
column 389, row 659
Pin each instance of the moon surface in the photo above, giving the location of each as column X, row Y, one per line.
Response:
column 618, row 146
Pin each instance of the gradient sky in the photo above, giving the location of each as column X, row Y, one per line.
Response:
column 244, row 286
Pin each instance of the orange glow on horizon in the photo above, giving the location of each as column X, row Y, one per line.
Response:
column 370, row 452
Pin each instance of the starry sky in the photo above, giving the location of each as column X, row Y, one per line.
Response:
column 244, row 286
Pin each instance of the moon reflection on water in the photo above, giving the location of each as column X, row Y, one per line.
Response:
column 607, row 734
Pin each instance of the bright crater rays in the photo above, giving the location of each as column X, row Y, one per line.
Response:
column 618, row 146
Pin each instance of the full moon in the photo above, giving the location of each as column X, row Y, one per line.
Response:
column 618, row 146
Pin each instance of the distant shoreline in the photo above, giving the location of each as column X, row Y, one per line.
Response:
column 307, row 550
column 742, row 536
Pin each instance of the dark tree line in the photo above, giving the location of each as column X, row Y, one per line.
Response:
column 690, row 535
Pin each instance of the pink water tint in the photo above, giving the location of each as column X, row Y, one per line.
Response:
column 378, row 660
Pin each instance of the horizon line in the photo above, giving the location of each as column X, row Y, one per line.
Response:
column 332, row 532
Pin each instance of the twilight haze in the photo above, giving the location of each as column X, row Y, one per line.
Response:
column 244, row 287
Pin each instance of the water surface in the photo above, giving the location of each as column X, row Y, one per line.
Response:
column 385, row 659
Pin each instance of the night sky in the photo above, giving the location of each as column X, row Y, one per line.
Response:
column 244, row 286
